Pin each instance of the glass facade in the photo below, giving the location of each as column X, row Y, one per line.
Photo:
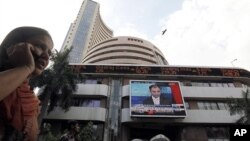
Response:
column 82, row 32
column 114, row 110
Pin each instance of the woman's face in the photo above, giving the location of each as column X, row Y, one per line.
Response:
column 44, row 46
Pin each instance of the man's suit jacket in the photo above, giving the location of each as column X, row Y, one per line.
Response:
column 163, row 101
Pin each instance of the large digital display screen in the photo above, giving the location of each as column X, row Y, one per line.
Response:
column 159, row 70
column 150, row 98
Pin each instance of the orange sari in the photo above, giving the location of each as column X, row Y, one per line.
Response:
column 20, row 109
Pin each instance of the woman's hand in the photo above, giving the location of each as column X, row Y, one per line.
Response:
column 23, row 55
column 21, row 65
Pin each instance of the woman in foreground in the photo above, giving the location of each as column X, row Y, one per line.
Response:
column 24, row 53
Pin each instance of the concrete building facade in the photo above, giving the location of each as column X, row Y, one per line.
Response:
column 125, row 50
column 103, row 97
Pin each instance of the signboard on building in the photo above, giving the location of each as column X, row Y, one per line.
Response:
column 159, row 70
column 150, row 98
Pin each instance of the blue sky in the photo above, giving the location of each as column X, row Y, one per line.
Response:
column 200, row 32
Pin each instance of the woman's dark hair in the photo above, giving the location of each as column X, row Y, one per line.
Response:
column 20, row 34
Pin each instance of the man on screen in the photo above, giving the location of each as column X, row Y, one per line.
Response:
column 156, row 97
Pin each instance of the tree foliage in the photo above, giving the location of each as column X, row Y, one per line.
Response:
column 87, row 133
column 241, row 106
column 46, row 134
column 58, row 82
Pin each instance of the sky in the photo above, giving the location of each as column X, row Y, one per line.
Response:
column 214, row 33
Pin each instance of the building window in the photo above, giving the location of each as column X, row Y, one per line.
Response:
column 212, row 84
column 80, row 102
column 90, row 81
column 187, row 83
column 201, row 105
column 206, row 84
column 181, row 83
column 225, row 85
column 230, row 84
column 213, row 106
column 187, row 105
column 222, row 106
column 219, row 85
column 132, row 39
column 205, row 105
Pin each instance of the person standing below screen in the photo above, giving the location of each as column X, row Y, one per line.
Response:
column 24, row 53
column 72, row 133
column 156, row 97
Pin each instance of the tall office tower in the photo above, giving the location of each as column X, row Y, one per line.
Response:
column 87, row 30
column 92, row 42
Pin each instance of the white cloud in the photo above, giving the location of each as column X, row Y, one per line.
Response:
column 208, row 33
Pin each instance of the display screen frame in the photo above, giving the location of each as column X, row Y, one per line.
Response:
column 172, row 103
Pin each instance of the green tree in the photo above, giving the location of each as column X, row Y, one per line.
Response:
column 57, row 84
column 241, row 106
column 46, row 134
column 87, row 132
